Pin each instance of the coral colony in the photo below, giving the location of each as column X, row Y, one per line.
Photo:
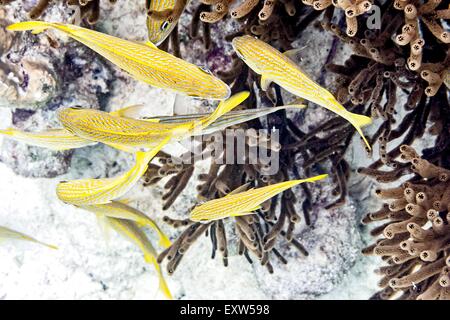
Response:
column 395, row 70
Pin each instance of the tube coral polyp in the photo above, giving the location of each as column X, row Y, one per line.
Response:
column 415, row 236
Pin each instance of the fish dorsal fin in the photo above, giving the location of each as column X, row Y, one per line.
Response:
column 132, row 111
column 294, row 54
column 239, row 189
column 265, row 83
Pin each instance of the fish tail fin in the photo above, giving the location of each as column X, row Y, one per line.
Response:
column 224, row 107
column 291, row 183
column 51, row 246
column 40, row 242
column 7, row 132
column 34, row 26
column 358, row 121
column 144, row 157
column 313, row 179
column 162, row 282
column 164, row 241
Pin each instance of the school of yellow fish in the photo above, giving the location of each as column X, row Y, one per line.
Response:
column 146, row 137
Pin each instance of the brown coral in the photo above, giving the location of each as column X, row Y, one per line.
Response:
column 258, row 235
column 352, row 9
column 415, row 236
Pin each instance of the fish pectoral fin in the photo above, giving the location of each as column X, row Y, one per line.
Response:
column 163, row 287
column 265, row 83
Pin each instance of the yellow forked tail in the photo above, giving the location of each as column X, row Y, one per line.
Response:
column 35, row 26
column 224, row 107
column 162, row 282
column 163, row 239
column 358, row 121
column 312, row 179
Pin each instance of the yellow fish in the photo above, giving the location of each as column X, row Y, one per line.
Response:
column 243, row 203
column 119, row 210
column 143, row 61
column 131, row 134
column 276, row 67
column 6, row 233
column 129, row 229
column 100, row 191
column 55, row 139
column 162, row 17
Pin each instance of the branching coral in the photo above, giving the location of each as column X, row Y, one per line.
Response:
column 415, row 236
column 269, row 20
column 377, row 75
column 352, row 9
column 259, row 234
column 376, row 53
column 265, row 9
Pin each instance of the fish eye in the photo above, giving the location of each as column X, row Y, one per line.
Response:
column 205, row 69
column 165, row 25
